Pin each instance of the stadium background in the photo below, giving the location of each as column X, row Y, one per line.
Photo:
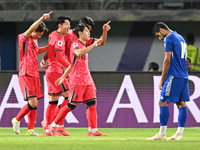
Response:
column 130, row 47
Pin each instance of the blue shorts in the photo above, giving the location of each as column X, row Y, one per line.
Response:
column 175, row 90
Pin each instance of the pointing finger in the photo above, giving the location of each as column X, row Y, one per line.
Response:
column 108, row 22
column 50, row 12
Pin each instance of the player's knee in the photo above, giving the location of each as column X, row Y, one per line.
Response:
column 162, row 104
column 181, row 104
column 33, row 107
column 71, row 106
column 91, row 103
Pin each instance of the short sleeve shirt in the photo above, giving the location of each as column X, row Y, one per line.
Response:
column 28, row 56
column 80, row 74
column 175, row 43
column 56, row 43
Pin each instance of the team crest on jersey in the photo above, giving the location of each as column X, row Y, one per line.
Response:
column 75, row 44
column 59, row 43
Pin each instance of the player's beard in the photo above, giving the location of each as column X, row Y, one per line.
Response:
column 163, row 36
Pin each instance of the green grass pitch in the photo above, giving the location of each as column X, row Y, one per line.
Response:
column 119, row 139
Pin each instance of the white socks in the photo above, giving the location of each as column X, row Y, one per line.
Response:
column 89, row 129
column 93, row 130
column 180, row 130
column 163, row 130
column 53, row 124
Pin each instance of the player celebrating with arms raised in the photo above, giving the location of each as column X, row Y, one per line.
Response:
column 69, row 38
column 29, row 80
column 82, row 87
column 175, row 87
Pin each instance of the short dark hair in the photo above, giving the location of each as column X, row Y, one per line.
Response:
column 190, row 38
column 188, row 59
column 80, row 27
column 157, row 26
column 61, row 20
column 87, row 20
column 42, row 27
column 153, row 65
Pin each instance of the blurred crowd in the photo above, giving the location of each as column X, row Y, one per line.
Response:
column 97, row 4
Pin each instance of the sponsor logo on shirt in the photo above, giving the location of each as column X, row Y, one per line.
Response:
column 75, row 44
column 59, row 43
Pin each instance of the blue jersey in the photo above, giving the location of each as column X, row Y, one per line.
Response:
column 178, row 68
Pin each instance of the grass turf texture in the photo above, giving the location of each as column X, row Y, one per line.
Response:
column 119, row 139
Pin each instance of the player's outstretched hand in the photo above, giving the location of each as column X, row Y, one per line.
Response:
column 106, row 27
column 59, row 81
column 46, row 15
column 42, row 64
column 97, row 42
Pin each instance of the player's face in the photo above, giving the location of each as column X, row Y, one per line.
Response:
column 37, row 35
column 86, row 34
column 65, row 27
column 160, row 35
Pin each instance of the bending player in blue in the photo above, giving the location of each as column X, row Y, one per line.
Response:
column 175, row 87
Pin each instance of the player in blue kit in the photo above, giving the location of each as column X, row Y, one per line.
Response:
column 175, row 87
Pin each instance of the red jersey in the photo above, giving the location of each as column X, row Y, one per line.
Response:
column 70, row 37
column 56, row 44
column 80, row 73
column 28, row 54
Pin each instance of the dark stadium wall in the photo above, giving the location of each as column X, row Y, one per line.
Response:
column 132, row 39
column 138, row 44
column 7, row 46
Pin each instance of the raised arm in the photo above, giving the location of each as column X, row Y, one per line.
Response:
column 106, row 27
column 81, row 52
column 34, row 26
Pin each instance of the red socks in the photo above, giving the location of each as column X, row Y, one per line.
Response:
column 50, row 112
column 64, row 103
column 30, row 112
column 87, row 114
column 31, row 119
column 23, row 112
column 62, row 114
column 92, row 117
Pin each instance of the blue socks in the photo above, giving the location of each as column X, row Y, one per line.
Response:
column 164, row 115
column 182, row 117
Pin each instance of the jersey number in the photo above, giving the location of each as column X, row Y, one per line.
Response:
column 183, row 50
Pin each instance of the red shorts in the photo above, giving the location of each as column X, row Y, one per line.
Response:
column 82, row 94
column 30, row 87
column 52, row 88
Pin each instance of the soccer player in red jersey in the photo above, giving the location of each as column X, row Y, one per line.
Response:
column 69, row 38
column 56, row 61
column 29, row 73
column 82, row 88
